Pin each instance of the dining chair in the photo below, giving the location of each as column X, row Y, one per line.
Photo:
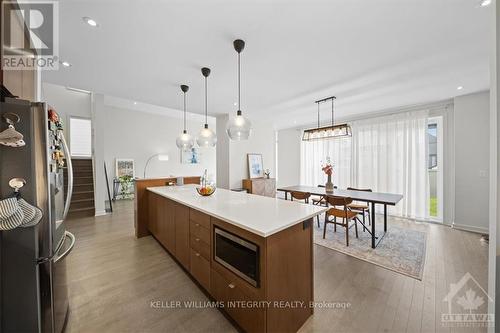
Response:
column 319, row 201
column 342, row 212
column 300, row 196
column 361, row 207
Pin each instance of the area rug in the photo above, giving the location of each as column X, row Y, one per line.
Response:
column 401, row 250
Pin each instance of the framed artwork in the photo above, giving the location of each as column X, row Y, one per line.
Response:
column 124, row 167
column 255, row 167
column 191, row 156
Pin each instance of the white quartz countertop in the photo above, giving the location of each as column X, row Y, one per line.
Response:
column 260, row 215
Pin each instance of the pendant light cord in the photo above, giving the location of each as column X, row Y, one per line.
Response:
column 239, row 83
column 332, row 112
column 184, row 112
column 206, row 102
column 318, row 114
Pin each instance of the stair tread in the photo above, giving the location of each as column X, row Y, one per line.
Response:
column 81, row 200
column 80, row 209
column 83, row 192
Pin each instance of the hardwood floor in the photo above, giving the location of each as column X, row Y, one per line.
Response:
column 114, row 278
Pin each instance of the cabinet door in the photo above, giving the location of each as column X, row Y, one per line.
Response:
column 169, row 223
column 270, row 188
column 152, row 213
column 258, row 187
column 160, row 225
column 182, row 252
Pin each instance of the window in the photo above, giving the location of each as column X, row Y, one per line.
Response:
column 434, row 167
column 80, row 141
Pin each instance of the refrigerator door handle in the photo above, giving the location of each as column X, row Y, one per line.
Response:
column 70, row 247
column 69, row 165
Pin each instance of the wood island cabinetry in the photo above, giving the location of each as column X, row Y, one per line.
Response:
column 285, row 264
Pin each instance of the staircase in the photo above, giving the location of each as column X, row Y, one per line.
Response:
column 82, row 200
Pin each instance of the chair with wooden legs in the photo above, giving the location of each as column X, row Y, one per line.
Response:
column 301, row 196
column 361, row 208
column 342, row 213
column 319, row 201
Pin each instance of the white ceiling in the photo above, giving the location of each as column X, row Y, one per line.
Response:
column 372, row 54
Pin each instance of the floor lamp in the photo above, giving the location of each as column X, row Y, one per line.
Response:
column 161, row 157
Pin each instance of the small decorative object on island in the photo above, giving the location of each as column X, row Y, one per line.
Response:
column 267, row 173
column 328, row 170
column 206, row 188
column 255, row 169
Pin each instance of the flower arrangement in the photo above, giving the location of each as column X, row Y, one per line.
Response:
column 327, row 168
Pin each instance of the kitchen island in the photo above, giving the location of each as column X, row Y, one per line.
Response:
column 252, row 254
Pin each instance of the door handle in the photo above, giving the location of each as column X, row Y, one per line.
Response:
column 231, row 286
column 197, row 254
column 68, row 250
column 70, row 176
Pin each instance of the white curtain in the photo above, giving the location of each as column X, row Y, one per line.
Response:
column 386, row 154
column 315, row 153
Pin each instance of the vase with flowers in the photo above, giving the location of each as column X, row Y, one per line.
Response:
column 327, row 168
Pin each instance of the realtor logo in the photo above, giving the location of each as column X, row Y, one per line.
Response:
column 30, row 35
column 467, row 305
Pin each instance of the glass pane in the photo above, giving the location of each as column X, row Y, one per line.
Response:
column 432, row 166
column 80, row 137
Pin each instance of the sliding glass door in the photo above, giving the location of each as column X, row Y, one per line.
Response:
column 435, row 168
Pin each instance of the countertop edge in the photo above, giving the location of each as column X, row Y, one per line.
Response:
column 256, row 232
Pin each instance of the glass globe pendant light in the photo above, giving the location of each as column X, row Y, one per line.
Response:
column 184, row 141
column 207, row 137
column 239, row 128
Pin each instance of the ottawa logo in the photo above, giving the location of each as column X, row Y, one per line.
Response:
column 467, row 304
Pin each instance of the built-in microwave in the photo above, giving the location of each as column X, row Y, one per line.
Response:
column 238, row 255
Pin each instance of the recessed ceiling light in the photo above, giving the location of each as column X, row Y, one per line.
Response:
column 484, row 3
column 135, row 103
column 460, row 88
column 90, row 21
column 66, row 64
column 235, row 103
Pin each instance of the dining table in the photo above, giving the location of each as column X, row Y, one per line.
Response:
column 371, row 198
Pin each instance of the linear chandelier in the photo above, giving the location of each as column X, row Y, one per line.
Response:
column 327, row 132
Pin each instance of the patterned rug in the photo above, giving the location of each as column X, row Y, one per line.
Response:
column 401, row 250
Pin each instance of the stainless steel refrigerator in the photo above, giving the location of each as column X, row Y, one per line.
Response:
column 34, row 291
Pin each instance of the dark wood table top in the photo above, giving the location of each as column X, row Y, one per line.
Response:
column 375, row 197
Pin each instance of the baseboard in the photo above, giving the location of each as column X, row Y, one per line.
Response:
column 100, row 213
column 470, row 228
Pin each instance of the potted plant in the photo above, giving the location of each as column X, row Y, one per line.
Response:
column 327, row 168
column 125, row 186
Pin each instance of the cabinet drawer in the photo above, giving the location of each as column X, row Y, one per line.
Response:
column 200, row 269
column 200, row 246
column 199, row 231
column 250, row 319
column 200, row 218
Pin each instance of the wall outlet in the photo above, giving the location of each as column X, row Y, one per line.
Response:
column 483, row 173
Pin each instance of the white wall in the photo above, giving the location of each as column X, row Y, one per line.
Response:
column 262, row 141
column 139, row 135
column 289, row 142
column 223, row 157
column 124, row 130
column 232, row 163
column 494, row 247
column 67, row 103
column 471, row 128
